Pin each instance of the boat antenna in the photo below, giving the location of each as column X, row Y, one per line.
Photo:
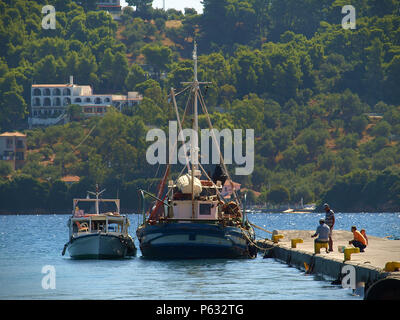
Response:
column 97, row 194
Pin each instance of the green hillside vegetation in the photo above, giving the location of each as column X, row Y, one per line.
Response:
column 287, row 69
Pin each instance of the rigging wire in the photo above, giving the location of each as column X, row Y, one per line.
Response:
column 202, row 103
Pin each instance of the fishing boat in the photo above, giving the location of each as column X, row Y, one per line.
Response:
column 95, row 235
column 190, row 219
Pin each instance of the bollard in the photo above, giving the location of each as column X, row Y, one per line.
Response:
column 296, row 241
column 349, row 251
column 392, row 266
column 319, row 245
column 276, row 237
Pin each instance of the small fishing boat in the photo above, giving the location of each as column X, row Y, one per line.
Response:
column 192, row 219
column 98, row 235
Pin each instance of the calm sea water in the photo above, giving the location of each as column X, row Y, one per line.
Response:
column 28, row 243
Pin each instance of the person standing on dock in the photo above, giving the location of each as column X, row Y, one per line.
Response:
column 330, row 221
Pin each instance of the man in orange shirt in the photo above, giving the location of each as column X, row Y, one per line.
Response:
column 358, row 241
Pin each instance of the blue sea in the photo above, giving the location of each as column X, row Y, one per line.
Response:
column 31, row 243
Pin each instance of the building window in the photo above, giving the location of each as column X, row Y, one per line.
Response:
column 47, row 102
column 20, row 144
column 66, row 92
column 97, row 101
column 57, row 102
column 19, row 156
column 56, row 92
column 107, row 100
column 37, row 92
column 46, row 92
column 36, row 102
column 67, row 101
column 10, row 143
column 88, row 100
column 79, row 100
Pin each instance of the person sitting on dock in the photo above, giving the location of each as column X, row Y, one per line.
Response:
column 330, row 221
column 358, row 241
column 322, row 232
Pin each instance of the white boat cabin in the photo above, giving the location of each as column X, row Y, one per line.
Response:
column 204, row 205
column 83, row 221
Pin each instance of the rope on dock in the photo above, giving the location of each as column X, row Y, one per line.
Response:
column 255, row 226
column 244, row 232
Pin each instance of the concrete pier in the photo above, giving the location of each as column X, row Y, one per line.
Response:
column 369, row 265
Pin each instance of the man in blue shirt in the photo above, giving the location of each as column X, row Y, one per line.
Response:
column 322, row 232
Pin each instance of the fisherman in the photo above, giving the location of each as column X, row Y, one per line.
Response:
column 358, row 241
column 219, row 175
column 322, row 231
column 330, row 221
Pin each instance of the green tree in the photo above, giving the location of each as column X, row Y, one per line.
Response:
column 12, row 105
column 159, row 57
column 5, row 169
column 135, row 76
column 74, row 112
column 120, row 69
column 278, row 194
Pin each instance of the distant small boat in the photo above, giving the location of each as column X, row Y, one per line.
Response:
column 98, row 235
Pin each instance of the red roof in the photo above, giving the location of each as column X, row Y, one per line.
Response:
column 71, row 179
column 228, row 183
column 51, row 85
column 12, row 134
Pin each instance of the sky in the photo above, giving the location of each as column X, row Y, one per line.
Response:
column 176, row 4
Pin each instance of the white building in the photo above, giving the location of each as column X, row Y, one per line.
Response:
column 49, row 102
column 112, row 6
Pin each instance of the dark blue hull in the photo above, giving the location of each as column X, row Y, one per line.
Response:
column 194, row 241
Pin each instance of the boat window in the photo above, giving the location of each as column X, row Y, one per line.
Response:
column 114, row 227
column 98, row 226
column 204, row 209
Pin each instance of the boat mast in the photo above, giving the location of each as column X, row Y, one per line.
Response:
column 195, row 140
column 194, row 152
column 195, row 148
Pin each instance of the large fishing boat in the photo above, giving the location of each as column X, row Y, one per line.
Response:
column 191, row 219
column 95, row 235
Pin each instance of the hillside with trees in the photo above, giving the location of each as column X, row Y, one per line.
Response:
column 324, row 101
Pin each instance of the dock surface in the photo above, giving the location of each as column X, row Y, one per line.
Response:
column 369, row 265
column 378, row 252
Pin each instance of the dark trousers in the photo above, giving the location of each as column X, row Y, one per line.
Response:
column 358, row 244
